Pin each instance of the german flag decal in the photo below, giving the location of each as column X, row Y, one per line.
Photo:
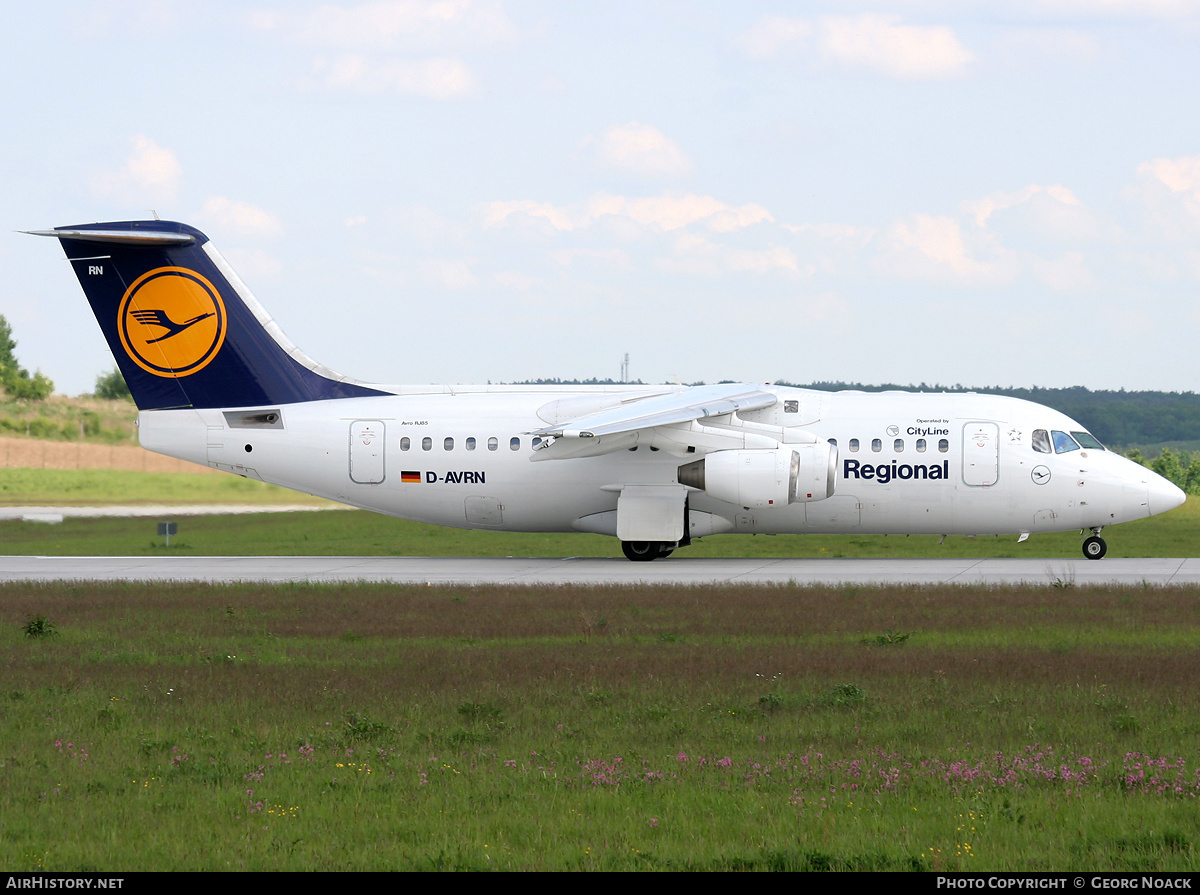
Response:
column 407, row 475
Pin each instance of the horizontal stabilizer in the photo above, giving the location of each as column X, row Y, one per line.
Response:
column 119, row 237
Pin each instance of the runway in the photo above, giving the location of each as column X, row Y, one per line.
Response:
column 594, row 571
column 155, row 511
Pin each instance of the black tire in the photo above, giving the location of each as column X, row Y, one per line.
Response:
column 664, row 551
column 1094, row 548
column 640, row 551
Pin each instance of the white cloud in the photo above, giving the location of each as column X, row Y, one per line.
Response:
column 665, row 212
column 671, row 212
column 697, row 254
column 517, row 281
column 1148, row 9
column 139, row 18
column 1169, row 191
column 869, row 41
column 641, row 149
column 404, row 272
column 497, row 214
column 1049, row 214
column 449, row 273
column 437, row 78
column 240, row 217
column 924, row 246
column 877, row 42
column 1179, row 175
column 834, row 247
column 150, row 173
column 399, row 24
column 982, row 209
column 773, row 34
column 611, row 258
column 832, row 231
column 423, row 224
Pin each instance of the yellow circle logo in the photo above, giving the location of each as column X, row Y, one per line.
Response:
column 172, row 322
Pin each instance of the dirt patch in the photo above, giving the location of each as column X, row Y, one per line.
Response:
column 34, row 453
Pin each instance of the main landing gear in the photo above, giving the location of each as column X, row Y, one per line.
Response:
column 1094, row 547
column 644, row 551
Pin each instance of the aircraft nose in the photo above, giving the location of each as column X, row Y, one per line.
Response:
column 1164, row 495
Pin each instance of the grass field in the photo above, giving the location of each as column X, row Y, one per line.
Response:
column 162, row 727
column 359, row 533
column 101, row 487
column 72, row 419
column 757, row 728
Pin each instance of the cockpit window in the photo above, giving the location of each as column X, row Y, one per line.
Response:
column 1088, row 440
column 1063, row 442
column 1041, row 441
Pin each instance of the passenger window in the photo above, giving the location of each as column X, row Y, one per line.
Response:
column 514, row 443
column 854, row 444
column 1041, row 441
column 426, row 443
column 1063, row 443
column 448, row 444
column 493, row 443
column 536, row 441
column 876, row 444
column 832, row 441
column 405, row 443
column 943, row 444
column 899, row 446
column 920, row 445
column 471, row 443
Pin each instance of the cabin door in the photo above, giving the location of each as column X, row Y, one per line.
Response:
column 981, row 454
column 366, row 451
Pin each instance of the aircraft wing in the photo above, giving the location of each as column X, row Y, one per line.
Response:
column 618, row 427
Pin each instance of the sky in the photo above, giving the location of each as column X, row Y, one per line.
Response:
column 931, row 191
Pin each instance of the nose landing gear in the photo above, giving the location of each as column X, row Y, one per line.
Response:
column 1094, row 547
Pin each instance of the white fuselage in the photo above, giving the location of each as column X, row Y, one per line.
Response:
column 463, row 457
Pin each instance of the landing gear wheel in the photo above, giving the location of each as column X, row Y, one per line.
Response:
column 640, row 551
column 1094, row 548
column 664, row 551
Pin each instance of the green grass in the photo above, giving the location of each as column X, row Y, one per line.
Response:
column 359, row 533
column 192, row 727
column 60, row 418
column 100, row 487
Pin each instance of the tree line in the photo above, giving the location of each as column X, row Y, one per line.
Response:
column 1118, row 418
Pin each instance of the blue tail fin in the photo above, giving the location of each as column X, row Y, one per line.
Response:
column 185, row 330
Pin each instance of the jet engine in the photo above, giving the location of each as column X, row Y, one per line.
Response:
column 755, row 479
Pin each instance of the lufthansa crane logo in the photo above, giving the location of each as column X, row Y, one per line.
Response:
column 172, row 322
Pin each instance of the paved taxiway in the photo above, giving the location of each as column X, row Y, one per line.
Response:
column 154, row 511
column 590, row 570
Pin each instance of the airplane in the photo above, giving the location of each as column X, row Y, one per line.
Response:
column 657, row 467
